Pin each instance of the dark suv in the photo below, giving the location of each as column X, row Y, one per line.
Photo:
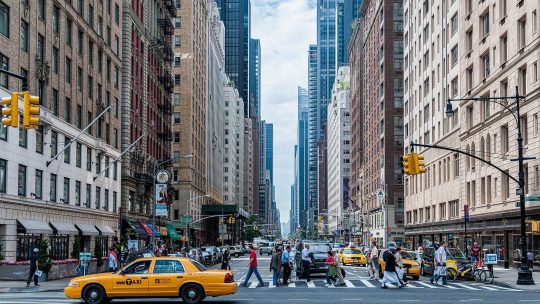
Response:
column 320, row 253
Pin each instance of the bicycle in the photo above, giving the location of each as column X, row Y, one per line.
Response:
column 486, row 275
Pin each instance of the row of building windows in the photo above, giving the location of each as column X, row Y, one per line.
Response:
column 447, row 211
column 54, row 180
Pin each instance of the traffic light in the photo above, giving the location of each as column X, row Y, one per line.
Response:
column 420, row 164
column 408, row 165
column 10, row 111
column 31, row 111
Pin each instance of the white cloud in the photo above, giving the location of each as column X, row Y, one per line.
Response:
column 285, row 28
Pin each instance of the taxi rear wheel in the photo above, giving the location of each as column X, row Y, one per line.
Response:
column 192, row 294
column 94, row 294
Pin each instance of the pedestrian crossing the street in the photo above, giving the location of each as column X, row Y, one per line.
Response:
column 364, row 283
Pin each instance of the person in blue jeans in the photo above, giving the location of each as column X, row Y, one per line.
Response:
column 275, row 266
column 253, row 268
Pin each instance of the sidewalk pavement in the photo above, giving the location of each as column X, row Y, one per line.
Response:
column 508, row 278
column 20, row 286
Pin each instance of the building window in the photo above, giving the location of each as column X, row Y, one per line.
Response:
column 116, row 75
column 67, row 110
column 116, row 44
column 504, row 140
column 114, row 201
column 106, row 166
column 115, row 170
column 56, row 19
column 22, row 181
column 504, row 48
column 98, row 197
column 484, row 59
column 66, row 191
column 524, row 129
column 484, row 24
column 77, row 193
column 176, row 79
column 116, row 14
column 40, row 47
column 106, row 200
column 522, row 30
column 67, row 150
column 24, row 36
column 89, row 159
column 23, row 134
column 177, row 41
column 505, row 187
column 469, row 78
column 3, row 175
column 454, row 23
column 88, row 195
column 78, row 155
column 503, row 6
column 91, row 16
column 68, row 70
column 176, row 117
column 469, row 41
column 41, row 9
column 522, row 80
column 38, row 185
column 4, row 19
column 4, row 64
column 52, row 190
column 178, row 22
column 55, row 60
column 69, row 29
column 534, row 22
column 3, row 132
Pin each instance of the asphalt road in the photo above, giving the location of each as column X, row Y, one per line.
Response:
column 359, row 289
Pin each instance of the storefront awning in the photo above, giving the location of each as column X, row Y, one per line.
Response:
column 171, row 231
column 137, row 228
column 64, row 228
column 106, row 230
column 154, row 229
column 146, row 228
column 35, row 227
column 88, row 229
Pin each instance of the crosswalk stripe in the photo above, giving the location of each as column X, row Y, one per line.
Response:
column 349, row 284
column 253, row 284
column 425, row 284
column 411, row 285
column 448, row 286
column 505, row 288
column 291, row 285
column 271, row 284
column 489, row 288
column 367, row 283
column 310, row 284
column 465, row 286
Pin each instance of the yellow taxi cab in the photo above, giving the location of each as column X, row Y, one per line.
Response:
column 352, row 256
column 410, row 265
column 154, row 277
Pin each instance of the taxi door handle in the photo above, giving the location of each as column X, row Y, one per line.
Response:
column 144, row 278
column 180, row 277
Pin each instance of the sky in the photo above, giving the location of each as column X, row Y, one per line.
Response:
column 285, row 28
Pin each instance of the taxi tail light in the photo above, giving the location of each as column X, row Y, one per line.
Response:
column 229, row 278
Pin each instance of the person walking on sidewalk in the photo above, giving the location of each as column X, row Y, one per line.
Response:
column 475, row 252
column 113, row 261
column 275, row 266
column 440, row 264
column 306, row 263
column 339, row 270
column 286, row 263
column 399, row 269
column 34, row 265
column 390, row 274
column 374, row 260
column 253, row 267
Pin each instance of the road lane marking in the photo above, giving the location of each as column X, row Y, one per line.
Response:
column 465, row 286
column 349, row 284
column 505, row 288
column 427, row 285
column 472, row 300
column 310, row 284
column 367, row 283
column 253, row 284
column 489, row 288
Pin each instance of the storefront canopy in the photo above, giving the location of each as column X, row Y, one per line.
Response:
column 64, row 228
column 171, row 231
column 35, row 227
column 146, row 228
column 106, row 230
column 154, row 229
column 88, row 229
column 137, row 228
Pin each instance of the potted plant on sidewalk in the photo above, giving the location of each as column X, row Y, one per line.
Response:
column 45, row 260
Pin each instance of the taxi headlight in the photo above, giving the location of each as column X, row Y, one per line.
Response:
column 73, row 284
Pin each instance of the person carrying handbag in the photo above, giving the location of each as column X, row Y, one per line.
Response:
column 440, row 265
column 331, row 272
column 399, row 269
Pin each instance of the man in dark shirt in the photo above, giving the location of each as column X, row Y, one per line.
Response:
column 34, row 264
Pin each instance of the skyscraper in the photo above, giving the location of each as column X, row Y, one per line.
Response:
column 301, row 159
column 255, row 76
column 236, row 14
column 269, row 146
column 346, row 13
column 313, row 132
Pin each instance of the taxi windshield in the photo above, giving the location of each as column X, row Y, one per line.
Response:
column 407, row 256
column 456, row 253
column 351, row 251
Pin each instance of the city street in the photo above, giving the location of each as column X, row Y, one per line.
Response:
column 359, row 288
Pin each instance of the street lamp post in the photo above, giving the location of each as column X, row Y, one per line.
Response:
column 187, row 206
column 524, row 274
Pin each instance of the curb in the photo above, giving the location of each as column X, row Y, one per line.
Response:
column 28, row 290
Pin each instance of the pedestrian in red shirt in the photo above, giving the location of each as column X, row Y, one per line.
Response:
column 253, row 267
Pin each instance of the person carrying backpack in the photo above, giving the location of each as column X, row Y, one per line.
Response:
column 390, row 274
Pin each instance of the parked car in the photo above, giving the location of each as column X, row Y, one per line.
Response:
column 236, row 251
column 217, row 257
column 266, row 248
column 207, row 258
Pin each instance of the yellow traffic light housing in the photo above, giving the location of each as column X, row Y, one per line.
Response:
column 420, row 164
column 408, row 164
column 10, row 111
column 31, row 111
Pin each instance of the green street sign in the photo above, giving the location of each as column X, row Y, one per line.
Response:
column 532, row 198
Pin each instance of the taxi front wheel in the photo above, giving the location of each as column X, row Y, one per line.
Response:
column 192, row 294
column 94, row 294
